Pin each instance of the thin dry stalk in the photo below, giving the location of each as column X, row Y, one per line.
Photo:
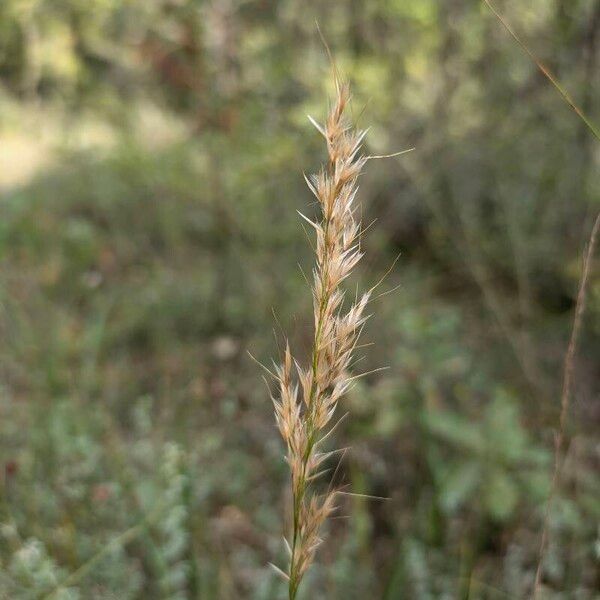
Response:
column 308, row 396
column 546, row 72
column 579, row 307
column 566, row 396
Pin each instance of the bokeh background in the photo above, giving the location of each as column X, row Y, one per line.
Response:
column 151, row 160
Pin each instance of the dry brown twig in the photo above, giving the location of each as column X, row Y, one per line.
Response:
column 579, row 306
column 566, row 396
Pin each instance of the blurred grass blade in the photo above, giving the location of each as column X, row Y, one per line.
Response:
column 121, row 540
column 561, row 90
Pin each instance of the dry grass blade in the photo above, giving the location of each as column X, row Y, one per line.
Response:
column 559, row 88
column 566, row 395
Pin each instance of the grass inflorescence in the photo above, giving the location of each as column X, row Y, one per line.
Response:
column 308, row 395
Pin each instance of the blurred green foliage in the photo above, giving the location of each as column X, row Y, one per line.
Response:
column 150, row 172
column 500, row 462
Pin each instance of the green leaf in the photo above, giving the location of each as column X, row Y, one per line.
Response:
column 537, row 457
column 537, row 484
column 501, row 495
column 504, row 433
column 456, row 430
column 461, row 481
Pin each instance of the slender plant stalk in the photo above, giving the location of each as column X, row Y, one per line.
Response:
column 546, row 72
column 566, row 396
column 307, row 396
column 579, row 308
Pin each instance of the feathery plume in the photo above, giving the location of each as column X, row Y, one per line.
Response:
column 307, row 397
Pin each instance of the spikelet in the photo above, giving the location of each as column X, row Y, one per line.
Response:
column 307, row 396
